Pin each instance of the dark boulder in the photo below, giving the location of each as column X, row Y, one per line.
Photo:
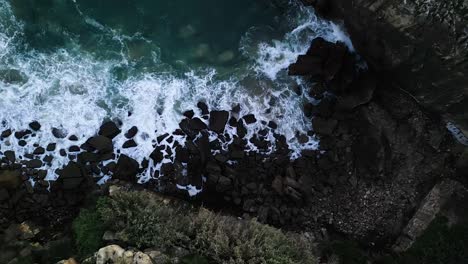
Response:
column 33, row 164
column 39, row 151
column 10, row 155
column 159, row 139
column 191, row 127
column 21, row 134
column 182, row 154
column 71, row 176
column 189, row 114
column 74, row 148
column 6, row 133
column 35, row 126
column 197, row 124
column 241, row 130
column 51, row 147
column 129, row 144
column 109, row 129
column 272, row 125
column 126, row 169
column 203, row 107
column 218, row 120
column 100, row 143
column 86, row 157
column 157, row 155
column 73, row 138
column 306, row 65
column 249, row 119
column 131, row 132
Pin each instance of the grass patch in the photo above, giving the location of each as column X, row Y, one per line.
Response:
column 145, row 222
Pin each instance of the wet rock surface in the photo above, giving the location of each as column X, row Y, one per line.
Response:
column 420, row 46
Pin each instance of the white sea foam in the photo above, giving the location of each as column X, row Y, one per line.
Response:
column 72, row 90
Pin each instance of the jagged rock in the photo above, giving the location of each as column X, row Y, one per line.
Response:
column 306, row 65
column 33, row 164
column 432, row 204
column 129, row 144
column 218, row 120
column 203, row 107
column 126, row 169
column 249, row 119
column 189, row 114
column 109, row 129
column 157, row 156
column 100, row 143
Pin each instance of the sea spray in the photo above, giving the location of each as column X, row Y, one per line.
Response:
column 74, row 88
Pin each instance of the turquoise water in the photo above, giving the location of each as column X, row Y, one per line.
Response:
column 71, row 64
column 178, row 33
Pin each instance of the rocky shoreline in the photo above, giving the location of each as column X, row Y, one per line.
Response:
column 380, row 154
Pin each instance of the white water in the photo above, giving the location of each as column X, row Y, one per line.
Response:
column 72, row 90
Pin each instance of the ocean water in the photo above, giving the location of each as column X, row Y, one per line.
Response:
column 71, row 64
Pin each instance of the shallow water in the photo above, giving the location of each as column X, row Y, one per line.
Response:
column 71, row 64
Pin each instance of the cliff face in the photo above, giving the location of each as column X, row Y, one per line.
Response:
column 420, row 46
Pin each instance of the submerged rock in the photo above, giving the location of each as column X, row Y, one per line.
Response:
column 59, row 133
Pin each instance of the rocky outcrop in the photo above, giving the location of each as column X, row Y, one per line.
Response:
column 441, row 197
column 420, row 46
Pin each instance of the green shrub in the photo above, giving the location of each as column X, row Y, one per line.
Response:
column 140, row 220
column 88, row 230
column 145, row 222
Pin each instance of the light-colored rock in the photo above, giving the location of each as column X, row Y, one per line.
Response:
column 128, row 256
column 28, row 230
column 68, row 261
column 141, row 258
column 111, row 253
column 109, row 236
